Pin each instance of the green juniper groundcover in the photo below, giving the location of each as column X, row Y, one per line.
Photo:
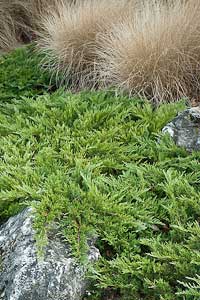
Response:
column 97, row 165
column 20, row 75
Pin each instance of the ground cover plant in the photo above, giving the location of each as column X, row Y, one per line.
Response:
column 21, row 75
column 97, row 165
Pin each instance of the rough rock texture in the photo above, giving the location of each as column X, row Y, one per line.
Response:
column 185, row 129
column 24, row 277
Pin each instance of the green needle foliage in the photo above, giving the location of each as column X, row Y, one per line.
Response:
column 96, row 165
column 21, row 75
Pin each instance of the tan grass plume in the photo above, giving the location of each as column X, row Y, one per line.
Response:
column 69, row 37
column 155, row 52
column 19, row 19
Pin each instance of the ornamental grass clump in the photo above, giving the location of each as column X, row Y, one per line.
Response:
column 20, row 20
column 69, row 38
column 11, row 23
column 155, row 52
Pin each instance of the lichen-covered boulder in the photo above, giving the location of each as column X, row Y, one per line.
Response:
column 25, row 277
column 185, row 129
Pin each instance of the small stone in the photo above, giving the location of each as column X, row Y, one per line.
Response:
column 185, row 129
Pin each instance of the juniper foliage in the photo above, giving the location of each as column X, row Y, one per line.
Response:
column 21, row 75
column 96, row 165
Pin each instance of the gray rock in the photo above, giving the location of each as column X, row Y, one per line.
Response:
column 185, row 129
column 25, row 277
